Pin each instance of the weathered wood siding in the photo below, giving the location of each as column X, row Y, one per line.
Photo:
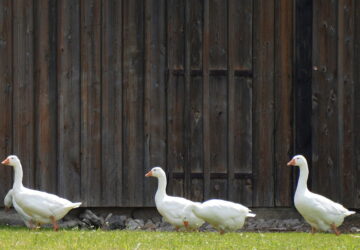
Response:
column 220, row 93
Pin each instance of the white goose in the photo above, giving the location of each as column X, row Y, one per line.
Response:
column 320, row 212
column 170, row 207
column 34, row 206
column 223, row 215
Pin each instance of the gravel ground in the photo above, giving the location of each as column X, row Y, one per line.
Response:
column 108, row 221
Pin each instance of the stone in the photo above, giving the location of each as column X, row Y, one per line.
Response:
column 91, row 219
column 149, row 226
column 71, row 223
column 115, row 222
column 132, row 224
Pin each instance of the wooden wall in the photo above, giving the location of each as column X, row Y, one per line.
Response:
column 219, row 93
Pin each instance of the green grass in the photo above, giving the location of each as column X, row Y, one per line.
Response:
column 22, row 238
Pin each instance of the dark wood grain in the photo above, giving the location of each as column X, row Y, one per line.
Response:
column 239, row 93
column 346, row 24
column 195, row 33
column 356, row 53
column 240, row 28
column 90, row 102
column 325, row 112
column 175, row 127
column 6, row 89
column 23, row 95
column 155, row 105
column 175, row 90
column 45, row 88
column 240, row 137
column 302, row 82
column 133, row 102
column 221, row 94
column 69, row 99
column 263, row 103
column 196, row 125
column 111, row 95
column 283, row 101
column 218, row 124
column 218, row 34
column 195, row 109
column 206, row 102
column 175, row 34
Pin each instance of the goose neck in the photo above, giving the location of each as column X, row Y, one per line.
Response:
column 161, row 191
column 18, row 176
column 304, row 175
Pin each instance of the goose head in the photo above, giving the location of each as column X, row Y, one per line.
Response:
column 297, row 160
column 11, row 160
column 156, row 172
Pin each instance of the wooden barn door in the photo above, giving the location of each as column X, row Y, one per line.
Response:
column 229, row 76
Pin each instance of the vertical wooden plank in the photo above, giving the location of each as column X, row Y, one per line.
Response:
column 302, row 82
column 346, row 18
column 283, row 100
column 218, row 129
column 90, row 102
column 175, row 131
column 45, row 95
column 263, row 103
column 231, row 96
column 69, row 102
column 187, row 166
column 195, row 38
column 218, row 93
column 175, row 34
column 133, row 93
column 325, row 100
column 23, row 98
column 218, row 34
column 6, row 85
column 241, row 31
column 111, row 115
column 196, row 34
column 196, row 125
column 240, row 98
column 155, row 119
column 175, row 90
column 240, row 139
column 357, row 102
column 206, row 102
column 239, row 94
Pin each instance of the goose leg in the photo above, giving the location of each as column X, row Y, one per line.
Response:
column 334, row 228
column 221, row 231
column 31, row 225
column 53, row 221
column 177, row 229
column 186, row 224
column 313, row 230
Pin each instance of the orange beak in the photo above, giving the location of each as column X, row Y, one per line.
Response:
column 291, row 163
column 5, row 162
column 149, row 174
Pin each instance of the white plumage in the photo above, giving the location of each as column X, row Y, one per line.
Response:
column 320, row 212
column 171, row 207
column 35, row 207
column 223, row 215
